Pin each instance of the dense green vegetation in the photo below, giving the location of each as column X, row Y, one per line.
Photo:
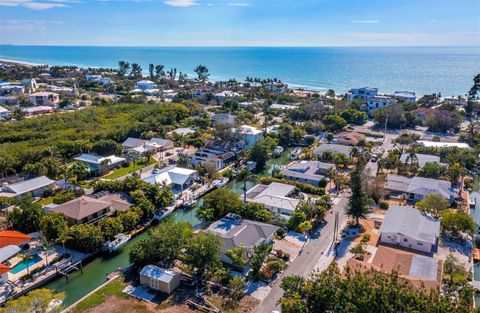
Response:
column 355, row 292
column 55, row 139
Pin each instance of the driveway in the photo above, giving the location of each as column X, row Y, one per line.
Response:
column 313, row 253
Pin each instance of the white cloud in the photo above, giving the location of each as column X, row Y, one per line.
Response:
column 239, row 4
column 366, row 21
column 27, row 25
column 35, row 5
column 181, row 3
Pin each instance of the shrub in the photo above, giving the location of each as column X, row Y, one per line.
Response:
column 384, row 205
column 281, row 232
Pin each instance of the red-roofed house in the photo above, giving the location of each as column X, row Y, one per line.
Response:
column 11, row 237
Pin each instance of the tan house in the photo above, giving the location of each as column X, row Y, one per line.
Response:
column 160, row 279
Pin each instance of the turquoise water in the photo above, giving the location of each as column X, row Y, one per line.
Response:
column 449, row 70
column 23, row 265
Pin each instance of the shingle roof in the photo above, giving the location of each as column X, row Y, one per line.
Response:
column 237, row 232
column 411, row 223
column 81, row 207
column 420, row 185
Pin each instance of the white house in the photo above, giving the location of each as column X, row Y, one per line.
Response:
column 45, row 98
column 407, row 227
column 416, row 188
column 378, row 102
column 218, row 153
column 455, row 100
column 34, row 186
column 98, row 164
column 276, row 87
column 42, row 109
column 249, row 136
column 362, row 93
column 4, row 113
column 177, row 177
column 145, row 85
column 275, row 197
column 406, row 96
column 307, row 172
column 30, row 83
column 160, row 279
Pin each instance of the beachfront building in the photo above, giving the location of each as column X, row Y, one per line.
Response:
column 34, row 187
column 363, row 93
column 276, row 197
column 145, row 85
column 416, row 188
column 276, row 87
column 307, row 172
column 249, row 136
column 159, row 279
column 404, row 226
column 45, row 99
column 99, row 165
column 378, row 102
column 177, row 177
column 236, row 232
column 217, row 154
column 405, row 96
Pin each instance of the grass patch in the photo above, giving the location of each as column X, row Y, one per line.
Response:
column 114, row 288
column 129, row 169
column 45, row 201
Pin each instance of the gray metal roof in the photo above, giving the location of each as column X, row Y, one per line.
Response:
column 133, row 142
column 411, row 223
column 333, row 148
column 158, row 273
column 421, row 159
column 274, row 195
column 424, row 267
column 7, row 252
column 420, row 186
column 29, row 185
column 307, row 170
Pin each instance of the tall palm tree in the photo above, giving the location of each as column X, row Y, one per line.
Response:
column 46, row 246
column 330, row 173
column 62, row 239
column 245, row 175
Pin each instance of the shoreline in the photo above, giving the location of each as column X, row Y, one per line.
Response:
column 17, row 62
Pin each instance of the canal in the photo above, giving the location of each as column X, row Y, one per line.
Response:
column 96, row 271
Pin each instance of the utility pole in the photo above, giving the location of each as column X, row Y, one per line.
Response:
column 385, row 130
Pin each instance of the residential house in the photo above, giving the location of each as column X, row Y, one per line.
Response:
column 455, row 100
column 249, row 136
column 42, row 109
column 34, row 187
column 423, row 113
column 276, row 197
column 160, row 279
column 93, row 77
column 349, row 138
column 378, row 102
column 404, row 226
column 145, row 85
column 100, row 165
column 45, row 98
column 236, row 232
column 217, row 153
column 283, row 107
column 177, row 177
column 405, row 96
column 30, row 83
column 363, row 93
column 421, row 272
column 416, row 188
column 276, row 87
column 11, row 243
column 4, row 113
column 223, row 118
column 90, row 209
column 182, row 131
column 331, row 148
column 224, row 95
column 420, row 159
column 307, row 172
column 13, row 88
column 155, row 145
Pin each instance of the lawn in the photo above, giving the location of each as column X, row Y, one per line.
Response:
column 114, row 288
column 129, row 169
column 45, row 201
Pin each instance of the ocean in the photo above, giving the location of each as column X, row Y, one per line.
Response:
column 424, row 70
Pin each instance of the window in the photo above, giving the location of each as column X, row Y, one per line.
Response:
column 419, row 243
column 405, row 240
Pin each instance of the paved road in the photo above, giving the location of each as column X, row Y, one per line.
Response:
column 309, row 259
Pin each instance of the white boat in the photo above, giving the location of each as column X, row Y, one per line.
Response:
column 295, row 153
column 117, row 243
column 221, row 182
column 250, row 165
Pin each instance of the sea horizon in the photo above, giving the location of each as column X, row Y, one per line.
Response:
column 421, row 69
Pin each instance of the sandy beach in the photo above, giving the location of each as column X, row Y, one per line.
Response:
column 6, row 61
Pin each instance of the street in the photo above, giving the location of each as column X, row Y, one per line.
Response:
column 309, row 258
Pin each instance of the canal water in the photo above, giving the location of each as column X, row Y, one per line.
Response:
column 95, row 272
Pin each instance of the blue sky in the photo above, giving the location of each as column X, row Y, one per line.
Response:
column 240, row 22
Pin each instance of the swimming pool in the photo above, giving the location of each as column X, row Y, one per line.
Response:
column 23, row 265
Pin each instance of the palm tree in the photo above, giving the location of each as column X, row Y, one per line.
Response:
column 25, row 257
column 245, row 175
column 46, row 246
column 330, row 173
column 62, row 239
